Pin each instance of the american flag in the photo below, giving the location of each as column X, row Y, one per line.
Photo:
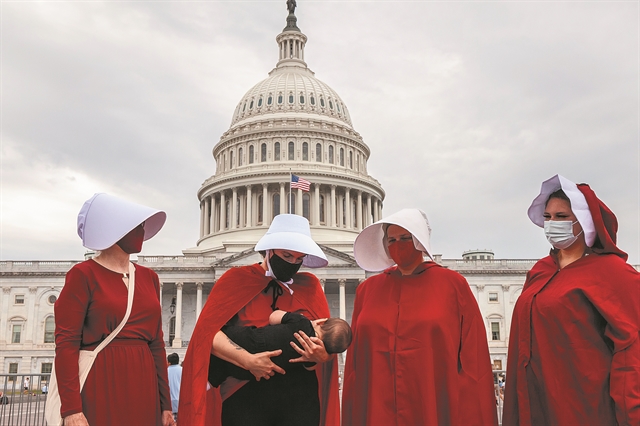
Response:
column 298, row 182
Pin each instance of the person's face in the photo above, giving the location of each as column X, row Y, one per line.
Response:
column 396, row 234
column 558, row 209
column 290, row 256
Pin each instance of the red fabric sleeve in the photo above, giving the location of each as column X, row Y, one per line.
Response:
column 159, row 356
column 349, row 392
column 70, row 310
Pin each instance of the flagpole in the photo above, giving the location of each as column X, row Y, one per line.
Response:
column 290, row 178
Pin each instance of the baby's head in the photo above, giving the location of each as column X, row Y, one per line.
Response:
column 336, row 335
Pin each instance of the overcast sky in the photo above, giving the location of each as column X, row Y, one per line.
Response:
column 467, row 107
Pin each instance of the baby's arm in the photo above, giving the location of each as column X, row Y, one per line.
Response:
column 276, row 317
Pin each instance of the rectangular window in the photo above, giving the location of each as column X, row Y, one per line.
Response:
column 495, row 331
column 497, row 364
column 19, row 299
column 13, row 369
column 493, row 297
column 17, row 331
column 46, row 368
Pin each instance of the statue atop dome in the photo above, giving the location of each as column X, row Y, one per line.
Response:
column 291, row 19
column 291, row 6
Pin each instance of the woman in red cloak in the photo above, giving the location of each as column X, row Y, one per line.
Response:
column 127, row 384
column 574, row 354
column 247, row 295
column 419, row 354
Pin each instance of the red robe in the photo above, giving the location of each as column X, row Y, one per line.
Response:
column 239, row 290
column 574, row 352
column 419, row 354
column 127, row 383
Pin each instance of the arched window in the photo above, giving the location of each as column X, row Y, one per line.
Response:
column 276, row 151
column 260, row 102
column 305, row 151
column 358, row 162
column 290, row 98
column 240, row 152
column 306, row 200
column 260, row 207
column 251, row 153
column 350, row 159
column 49, row 330
column 291, row 203
column 269, row 100
column 318, row 152
column 330, row 154
column 312, row 100
column 342, row 156
column 263, row 152
column 231, row 159
column 276, row 204
column 227, row 215
column 321, row 101
column 301, row 99
column 291, row 149
column 280, row 98
column 251, row 104
column 321, row 209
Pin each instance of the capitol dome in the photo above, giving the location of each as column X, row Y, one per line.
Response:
column 291, row 123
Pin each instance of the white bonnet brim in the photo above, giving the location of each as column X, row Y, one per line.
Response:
column 292, row 232
column 369, row 248
column 104, row 219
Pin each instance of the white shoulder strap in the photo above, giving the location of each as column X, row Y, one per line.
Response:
column 114, row 333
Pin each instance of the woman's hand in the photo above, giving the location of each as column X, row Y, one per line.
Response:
column 77, row 419
column 313, row 349
column 167, row 418
column 261, row 366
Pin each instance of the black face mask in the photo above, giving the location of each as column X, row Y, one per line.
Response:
column 282, row 269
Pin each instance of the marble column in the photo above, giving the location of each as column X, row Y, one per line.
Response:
column 375, row 210
column 6, row 295
column 316, row 198
column 265, row 203
column 343, row 299
column 359, row 212
column 340, row 212
column 160, row 296
column 207, row 211
column 234, row 208
column 332, row 214
column 177, row 340
column 31, row 316
column 284, row 202
column 202, row 218
column 367, row 221
column 249, row 222
column 347, row 208
column 299, row 203
column 215, row 215
column 198, row 299
column 223, row 212
column 322, row 283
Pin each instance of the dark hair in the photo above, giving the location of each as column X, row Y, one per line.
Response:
column 336, row 335
column 173, row 359
column 560, row 195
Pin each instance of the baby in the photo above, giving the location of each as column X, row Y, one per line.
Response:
column 335, row 333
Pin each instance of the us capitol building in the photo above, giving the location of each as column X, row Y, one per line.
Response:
column 290, row 122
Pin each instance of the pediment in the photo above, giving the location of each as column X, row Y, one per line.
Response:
column 249, row 256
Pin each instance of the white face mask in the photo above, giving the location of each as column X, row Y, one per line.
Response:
column 560, row 233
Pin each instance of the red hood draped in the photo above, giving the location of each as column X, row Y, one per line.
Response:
column 605, row 222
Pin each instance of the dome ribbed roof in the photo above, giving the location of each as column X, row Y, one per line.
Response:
column 291, row 90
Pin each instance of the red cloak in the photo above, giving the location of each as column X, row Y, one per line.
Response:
column 419, row 354
column 574, row 352
column 231, row 293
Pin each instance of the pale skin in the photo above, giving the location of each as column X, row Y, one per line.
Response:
column 260, row 364
column 559, row 209
column 397, row 233
column 117, row 260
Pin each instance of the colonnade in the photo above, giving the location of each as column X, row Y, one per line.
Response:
column 248, row 206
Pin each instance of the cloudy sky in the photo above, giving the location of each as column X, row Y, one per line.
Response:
column 467, row 107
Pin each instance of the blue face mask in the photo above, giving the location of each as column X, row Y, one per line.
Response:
column 559, row 233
